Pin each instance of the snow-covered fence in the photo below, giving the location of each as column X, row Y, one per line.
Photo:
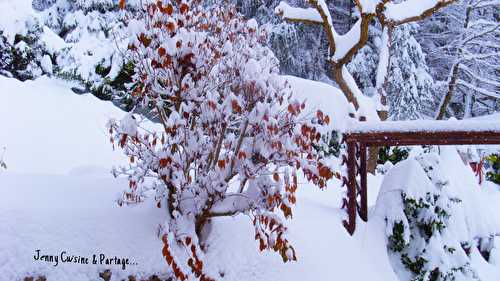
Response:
column 396, row 133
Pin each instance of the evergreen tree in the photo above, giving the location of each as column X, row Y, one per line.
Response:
column 410, row 88
column 462, row 42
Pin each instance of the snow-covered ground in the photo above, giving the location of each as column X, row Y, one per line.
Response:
column 48, row 129
column 58, row 196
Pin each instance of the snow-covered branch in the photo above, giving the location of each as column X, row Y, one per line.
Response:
column 478, row 90
column 343, row 47
column 412, row 10
column 303, row 15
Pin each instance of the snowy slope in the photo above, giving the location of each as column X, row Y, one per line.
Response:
column 48, row 129
column 59, row 210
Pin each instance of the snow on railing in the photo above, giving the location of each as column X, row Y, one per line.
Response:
column 361, row 135
column 469, row 125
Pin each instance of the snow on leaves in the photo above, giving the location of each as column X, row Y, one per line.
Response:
column 232, row 138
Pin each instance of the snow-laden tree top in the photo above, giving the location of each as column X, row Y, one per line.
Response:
column 343, row 47
column 387, row 11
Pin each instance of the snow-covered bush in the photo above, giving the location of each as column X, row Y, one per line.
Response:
column 232, row 137
column 493, row 173
column 23, row 53
column 93, row 32
column 433, row 223
column 392, row 154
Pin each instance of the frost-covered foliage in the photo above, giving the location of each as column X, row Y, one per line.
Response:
column 23, row 52
column 92, row 35
column 72, row 39
column 493, row 173
column 433, row 222
column 410, row 87
column 232, row 137
column 393, row 154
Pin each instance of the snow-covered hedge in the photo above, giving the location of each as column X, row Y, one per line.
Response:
column 434, row 217
column 23, row 52
column 71, row 39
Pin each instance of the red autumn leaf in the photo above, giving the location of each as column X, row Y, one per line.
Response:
column 184, row 8
column 262, row 245
column 319, row 114
column 212, row 105
column 163, row 163
column 242, row 155
column 269, row 200
column 276, row 177
column 144, row 40
column 123, row 140
column 325, row 172
column 235, row 106
column 221, row 164
column 170, row 26
column 121, row 4
column 199, row 265
column 169, row 9
column 161, row 51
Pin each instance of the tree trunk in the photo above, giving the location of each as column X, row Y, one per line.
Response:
column 383, row 67
column 454, row 72
column 382, row 81
column 338, row 75
column 449, row 94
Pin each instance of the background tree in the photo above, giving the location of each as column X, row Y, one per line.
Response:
column 462, row 42
column 342, row 48
column 410, row 89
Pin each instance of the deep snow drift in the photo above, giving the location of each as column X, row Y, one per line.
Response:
column 58, row 195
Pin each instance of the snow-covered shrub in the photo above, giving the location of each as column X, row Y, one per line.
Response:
column 422, row 233
column 232, row 137
column 93, row 35
column 393, row 154
column 493, row 173
column 23, row 53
